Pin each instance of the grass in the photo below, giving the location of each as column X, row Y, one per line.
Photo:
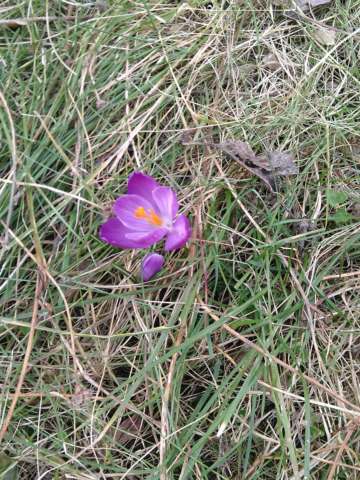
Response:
column 241, row 359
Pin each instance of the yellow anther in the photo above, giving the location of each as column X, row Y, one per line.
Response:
column 155, row 219
column 140, row 212
column 150, row 217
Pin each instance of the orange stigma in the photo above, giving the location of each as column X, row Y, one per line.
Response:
column 150, row 217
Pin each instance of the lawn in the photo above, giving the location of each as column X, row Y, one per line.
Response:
column 241, row 358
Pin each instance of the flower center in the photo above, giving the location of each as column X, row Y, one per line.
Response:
column 149, row 216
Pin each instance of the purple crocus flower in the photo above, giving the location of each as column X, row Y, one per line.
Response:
column 152, row 264
column 145, row 215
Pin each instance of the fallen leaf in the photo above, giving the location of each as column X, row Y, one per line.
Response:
column 266, row 167
column 243, row 154
column 282, row 163
column 325, row 36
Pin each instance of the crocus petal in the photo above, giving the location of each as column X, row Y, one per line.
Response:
column 151, row 265
column 148, row 238
column 116, row 234
column 166, row 202
column 179, row 235
column 136, row 213
column 141, row 184
column 113, row 232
